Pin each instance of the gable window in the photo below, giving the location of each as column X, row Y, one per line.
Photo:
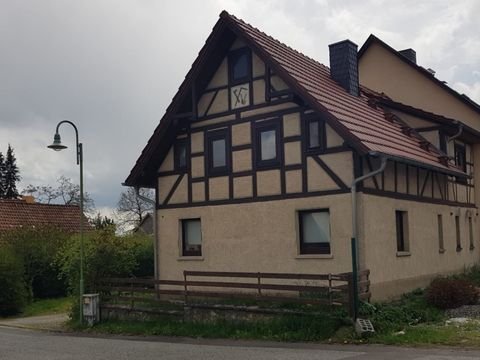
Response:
column 191, row 237
column 240, row 65
column 218, row 152
column 180, row 154
column 316, row 133
column 314, row 232
column 267, row 138
column 401, row 219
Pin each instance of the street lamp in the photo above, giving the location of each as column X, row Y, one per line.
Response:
column 57, row 146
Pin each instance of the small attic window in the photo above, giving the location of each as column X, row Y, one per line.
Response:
column 240, row 65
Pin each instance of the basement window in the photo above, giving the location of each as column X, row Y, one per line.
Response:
column 191, row 237
column 401, row 219
column 314, row 232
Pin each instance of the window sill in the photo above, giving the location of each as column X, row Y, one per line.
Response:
column 442, row 251
column 190, row 258
column 314, row 256
column 459, row 249
column 403, row 253
column 472, row 248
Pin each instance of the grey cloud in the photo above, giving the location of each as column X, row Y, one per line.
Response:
column 112, row 66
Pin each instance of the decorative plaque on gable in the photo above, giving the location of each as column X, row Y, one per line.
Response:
column 240, row 96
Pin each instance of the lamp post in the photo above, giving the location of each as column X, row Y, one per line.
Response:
column 57, row 146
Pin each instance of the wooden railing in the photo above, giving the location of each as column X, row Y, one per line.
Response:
column 197, row 286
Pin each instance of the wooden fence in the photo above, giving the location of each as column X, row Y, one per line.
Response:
column 198, row 286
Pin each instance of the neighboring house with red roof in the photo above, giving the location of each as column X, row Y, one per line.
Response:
column 254, row 160
column 25, row 213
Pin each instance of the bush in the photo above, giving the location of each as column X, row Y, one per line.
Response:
column 37, row 248
column 13, row 290
column 143, row 252
column 410, row 309
column 448, row 293
column 105, row 255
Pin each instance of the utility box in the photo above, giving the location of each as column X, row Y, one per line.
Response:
column 91, row 308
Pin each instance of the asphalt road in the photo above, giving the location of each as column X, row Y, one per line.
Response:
column 29, row 345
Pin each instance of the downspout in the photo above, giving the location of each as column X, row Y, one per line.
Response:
column 355, row 253
column 154, row 215
column 459, row 132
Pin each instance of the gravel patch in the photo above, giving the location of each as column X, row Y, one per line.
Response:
column 465, row 311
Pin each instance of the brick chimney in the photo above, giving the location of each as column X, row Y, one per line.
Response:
column 410, row 54
column 344, row 65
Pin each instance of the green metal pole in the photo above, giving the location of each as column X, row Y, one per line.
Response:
column 82, row 289
column 355, row 278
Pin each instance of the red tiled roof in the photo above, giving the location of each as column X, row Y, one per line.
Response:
column 364, row 127
column 367, row 124
column 18, row 213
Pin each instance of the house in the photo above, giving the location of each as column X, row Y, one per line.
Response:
column 25, row 212
column 146, row 226
column 254, row 160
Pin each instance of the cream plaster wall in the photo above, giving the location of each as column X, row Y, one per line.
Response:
column 268, row 182
column 378, row 249
column 333, row 139
column 291, row 124
column 242, row 187
column 198, row 166
column 198, row 191
column 384, row 72
column 260, row 236
column 293, row 181
column 167, row 164
column 293, row 153
column 241, row 134
column 218, row 188
column 317, row 178
column 242, row 160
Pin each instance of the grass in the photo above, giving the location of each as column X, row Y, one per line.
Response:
column 47, row 307
column 283, row 328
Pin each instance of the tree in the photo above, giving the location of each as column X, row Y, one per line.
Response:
column 131, row 209
column 103, row 223
column 66, row 193
column 11, row 175
column 2, row 176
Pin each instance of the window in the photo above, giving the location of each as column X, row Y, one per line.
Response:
column 218, row 152
column 316, row 134
column 457, row 233
column 314, row 232
column 180, row 154
column 240, row 65
column 470, row 229
column 268, row 152
column 441, row 246
column 191, row 237
column 460, row 156
column 401, row 218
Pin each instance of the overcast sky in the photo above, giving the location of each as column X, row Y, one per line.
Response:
column 112, row 66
